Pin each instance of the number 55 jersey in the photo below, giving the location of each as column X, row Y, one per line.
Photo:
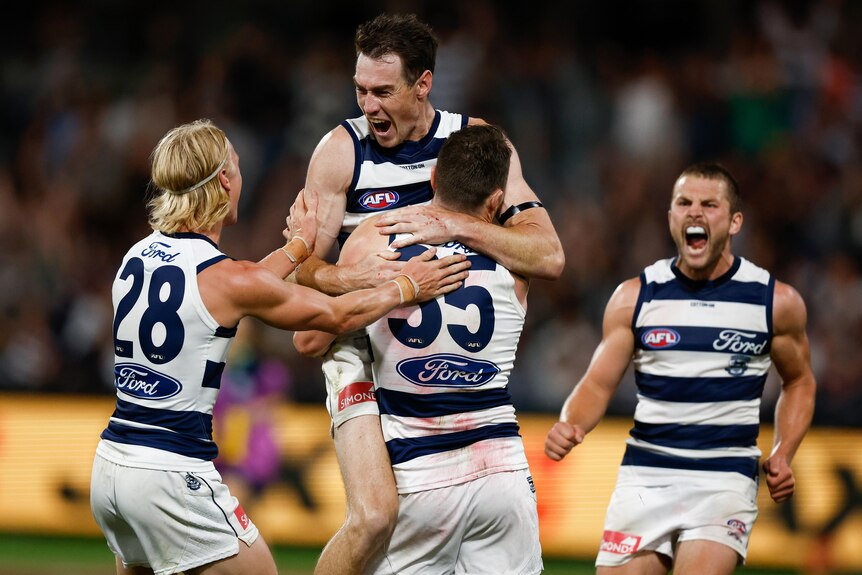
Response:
column 441, row 369
column 169, row 354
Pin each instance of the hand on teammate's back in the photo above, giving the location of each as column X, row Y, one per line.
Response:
column 436, row 276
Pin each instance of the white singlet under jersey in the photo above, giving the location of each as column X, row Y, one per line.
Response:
column 389, row 178
column 169, row 354
column 441, row 371
column 701, row 360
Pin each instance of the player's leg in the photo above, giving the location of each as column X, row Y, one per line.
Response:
column 640, row 534
column 369, row 485
column 255, row 558
column 702, row 557
column 721, row 512
column 645, row 563
column 372, row 500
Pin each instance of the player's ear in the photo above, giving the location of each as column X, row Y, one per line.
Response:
column 423, row 84
column 224, row 180
column 735, row 223
column 434, row 179
column 495, row 203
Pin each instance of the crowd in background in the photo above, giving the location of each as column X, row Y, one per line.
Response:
column 606, row 103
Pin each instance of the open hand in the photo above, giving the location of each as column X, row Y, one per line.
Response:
column 436, row 276
column 302, row 221
column 427, row 224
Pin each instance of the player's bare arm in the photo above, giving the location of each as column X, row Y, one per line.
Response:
column 330, row 172
column 363, row 241
column 232, row 290
column 795, row 408
column 527, row 243
column 589, row 400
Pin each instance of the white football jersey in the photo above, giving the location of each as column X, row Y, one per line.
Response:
column 441, row 370
column 701, row 360
column 389, row 178
column 169, row 354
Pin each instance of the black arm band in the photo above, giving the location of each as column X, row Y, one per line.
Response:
column 517, row 209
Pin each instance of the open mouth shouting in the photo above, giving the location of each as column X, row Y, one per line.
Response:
column 380, row 127
column 696, row 238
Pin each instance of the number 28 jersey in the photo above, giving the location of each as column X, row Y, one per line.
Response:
column 441, row 370
column 169, row 354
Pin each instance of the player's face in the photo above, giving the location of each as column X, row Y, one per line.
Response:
column 701, row 226
column 235, row 179
column 391, row 104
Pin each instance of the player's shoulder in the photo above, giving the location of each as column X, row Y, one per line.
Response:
column 788, row 307
column 364, row 239
column 338, row 139
column 626, row 293
column 236, row 278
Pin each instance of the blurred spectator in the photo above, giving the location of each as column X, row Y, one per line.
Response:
column 604, row 109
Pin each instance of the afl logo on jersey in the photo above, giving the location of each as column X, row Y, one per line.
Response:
column 379, row 200
column 447, row 370
column 143, row 382
column 660, row 338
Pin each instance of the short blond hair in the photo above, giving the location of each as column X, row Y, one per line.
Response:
column 183, row 198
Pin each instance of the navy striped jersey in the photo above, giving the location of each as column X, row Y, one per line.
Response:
column 701, row 360
column 389, row 178
column 169, row 354
column 441, row 370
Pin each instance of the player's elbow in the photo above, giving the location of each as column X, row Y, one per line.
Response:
column 556, row 261
column 310, row 343
column 550, row 266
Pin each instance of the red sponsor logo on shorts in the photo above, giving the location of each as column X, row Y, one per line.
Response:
column 241, row 516
column 358, row 392
column 620, row 543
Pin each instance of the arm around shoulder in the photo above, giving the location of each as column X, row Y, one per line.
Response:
column 528, row 244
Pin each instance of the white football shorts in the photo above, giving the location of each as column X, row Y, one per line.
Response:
column 486, row 526
column 349, row 379
column 169, row 521
column 654, row 509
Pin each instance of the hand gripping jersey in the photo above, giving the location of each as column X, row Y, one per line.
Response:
column 169, row 354
column 389, row 178
column 441, row 370
column 701, row 360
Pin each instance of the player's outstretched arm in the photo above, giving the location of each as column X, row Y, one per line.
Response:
column 589, row 400
column 795, row 408
column 330, row 172
column 527, row 244
column 232, row 290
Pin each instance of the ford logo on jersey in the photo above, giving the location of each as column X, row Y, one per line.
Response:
column 660, row 337
column 447, row 370
column 379, row 200
column 143, row 382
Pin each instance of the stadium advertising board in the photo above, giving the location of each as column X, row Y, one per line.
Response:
column 279, row 461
